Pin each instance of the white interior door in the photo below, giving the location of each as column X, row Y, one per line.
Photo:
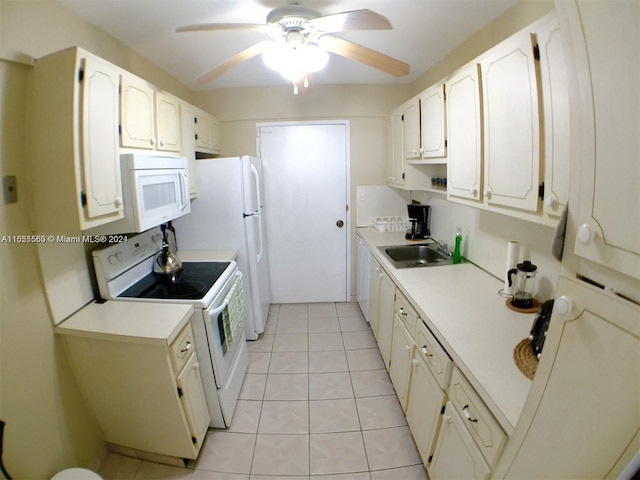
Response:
column 306, row 171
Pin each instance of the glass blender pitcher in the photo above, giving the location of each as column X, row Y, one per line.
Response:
column 525, row 273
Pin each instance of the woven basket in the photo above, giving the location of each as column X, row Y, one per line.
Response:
column 525, row 359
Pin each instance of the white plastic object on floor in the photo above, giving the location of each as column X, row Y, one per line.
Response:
column 76, row 474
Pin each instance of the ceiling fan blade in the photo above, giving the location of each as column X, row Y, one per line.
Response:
column 205, row 27
column 232, row 62
column 365, row 55
column 354, row 20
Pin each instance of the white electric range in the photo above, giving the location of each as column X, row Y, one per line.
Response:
column 124, row 271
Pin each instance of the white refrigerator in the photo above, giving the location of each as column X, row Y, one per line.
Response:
column 229, row 214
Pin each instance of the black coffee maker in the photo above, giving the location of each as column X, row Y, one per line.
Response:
column 419, row 218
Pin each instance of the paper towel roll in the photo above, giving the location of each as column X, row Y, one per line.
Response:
column 513, row 253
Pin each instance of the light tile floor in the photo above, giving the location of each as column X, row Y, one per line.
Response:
column 317, row 403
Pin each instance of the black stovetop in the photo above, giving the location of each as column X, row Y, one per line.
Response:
column 192, row 283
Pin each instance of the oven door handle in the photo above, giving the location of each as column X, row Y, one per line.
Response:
column 227, row 299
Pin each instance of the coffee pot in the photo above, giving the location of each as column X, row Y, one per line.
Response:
column 525, row 273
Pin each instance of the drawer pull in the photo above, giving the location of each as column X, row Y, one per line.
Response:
column 426, row 352
column 467, row 415
column 402, row 312
column 407, row 347
column 186, row 348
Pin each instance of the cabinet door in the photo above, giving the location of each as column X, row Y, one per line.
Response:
column 411, row 128
column 456, row 456
column 424, row 405
column 137, row 113
column 188, row 145
column 102, row 185
column 511, row 124
column 464, row 133
column 385, row 316
column 433, row 123
column 401, row 355
column 373, row 304
column 555, row 113
column 364, row 266
column 584, row 397
column 395, row 165
column 193, row 399
column 203, row 130
column 168, row 121
column 607, row 147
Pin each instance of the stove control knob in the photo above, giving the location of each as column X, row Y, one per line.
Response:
column 119, row 256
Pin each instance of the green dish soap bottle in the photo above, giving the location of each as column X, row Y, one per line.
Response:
column 457, row 257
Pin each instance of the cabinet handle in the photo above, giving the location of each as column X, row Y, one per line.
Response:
column 549, row 201
column 474, row 192
column 161, row 142
column 152, row 141
column 586, row 234
column 446, row 418
column 467, row 415
column 117, row 202
column 196, row 366
column 407, row 347
column 564, row 304
column 487, row 193
column 402, row 312
column 415, row 362
column 425, row 351
column 186, row 348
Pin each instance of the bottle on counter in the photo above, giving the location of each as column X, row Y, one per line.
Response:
column 457, row 257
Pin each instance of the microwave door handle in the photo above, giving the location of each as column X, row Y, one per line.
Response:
column 184, row 190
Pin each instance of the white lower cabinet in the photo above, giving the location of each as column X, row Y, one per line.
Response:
column 401, row 356
column 456, row 455
column 424, row 407
column 146, row 396
column 385, row 316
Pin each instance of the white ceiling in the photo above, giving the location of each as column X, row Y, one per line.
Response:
column 424, row 31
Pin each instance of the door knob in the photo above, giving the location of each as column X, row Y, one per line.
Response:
column 340, row 224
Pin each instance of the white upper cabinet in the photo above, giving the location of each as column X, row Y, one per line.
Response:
column 464, row 114
column 411, row 128
column 605, row 148
column 511, row 124
column 75, row 159
column 555, row 107
column 207, row 132
column 100, row 155
column 395, row 150
column 432, row 122
column 168, row 122
column 149, row 119
column 188, row 144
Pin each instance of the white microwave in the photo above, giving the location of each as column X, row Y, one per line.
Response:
column 155, row 190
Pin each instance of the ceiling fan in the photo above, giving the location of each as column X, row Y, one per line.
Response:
column 301, row 39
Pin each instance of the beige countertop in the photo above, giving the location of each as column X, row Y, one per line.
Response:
column 131, row 322
column 461, row 306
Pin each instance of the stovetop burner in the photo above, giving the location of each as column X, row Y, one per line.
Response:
column 192, row 283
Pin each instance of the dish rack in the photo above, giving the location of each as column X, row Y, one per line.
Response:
column 390, row 224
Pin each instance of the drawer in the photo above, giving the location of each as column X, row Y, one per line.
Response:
column 406, row 312
column 182, row 348
column 432, row 352
column 484, row 428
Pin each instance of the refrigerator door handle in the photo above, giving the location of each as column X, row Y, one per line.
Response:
column 260, row 236
column 258, row 193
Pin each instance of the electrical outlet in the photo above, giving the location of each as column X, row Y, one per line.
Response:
column 10, row 189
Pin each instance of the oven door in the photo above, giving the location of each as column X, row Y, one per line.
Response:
column 224, row 321
column 158, row 195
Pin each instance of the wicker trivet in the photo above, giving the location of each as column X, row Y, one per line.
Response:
column 525, row 358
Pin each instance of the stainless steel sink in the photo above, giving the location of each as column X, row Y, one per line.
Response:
column 416, row 255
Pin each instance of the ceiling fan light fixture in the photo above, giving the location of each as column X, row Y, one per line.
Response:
column 294, row 60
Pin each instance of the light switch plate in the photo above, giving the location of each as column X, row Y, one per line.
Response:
column 10, row 189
